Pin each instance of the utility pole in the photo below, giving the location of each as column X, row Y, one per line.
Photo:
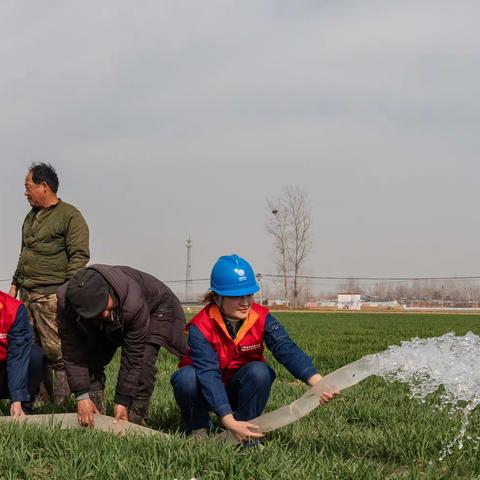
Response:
column 188, row 274
column 282, row 239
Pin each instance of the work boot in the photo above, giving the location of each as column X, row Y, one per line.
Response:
column 61, row 390
column 27, row 407
column 47, row 382
column 98, row 399
column 252, row 443
column 42, row 398
column 45, row 394
column 138, row 411
column 199, row 434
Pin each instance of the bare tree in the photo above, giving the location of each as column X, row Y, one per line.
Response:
column 300, row 227
column 290, row 225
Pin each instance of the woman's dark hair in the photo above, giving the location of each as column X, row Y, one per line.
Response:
column 209, row 297
column 44, row 172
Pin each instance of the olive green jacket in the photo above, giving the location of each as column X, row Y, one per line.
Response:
column 54, row 247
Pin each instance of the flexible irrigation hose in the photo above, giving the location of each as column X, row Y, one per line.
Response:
column 340, row 379
column 70, row 420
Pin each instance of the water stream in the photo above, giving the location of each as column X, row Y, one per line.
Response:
column 448, row 365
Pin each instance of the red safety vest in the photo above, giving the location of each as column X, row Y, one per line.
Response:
column 232, row 354
column 8, row 314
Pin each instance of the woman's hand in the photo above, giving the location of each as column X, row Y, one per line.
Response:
column 16, row 409
column 240, row 430
column 325, row 397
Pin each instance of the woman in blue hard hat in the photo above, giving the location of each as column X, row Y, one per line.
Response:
column 224, row 369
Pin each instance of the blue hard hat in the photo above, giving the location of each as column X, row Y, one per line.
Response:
column 232, row 276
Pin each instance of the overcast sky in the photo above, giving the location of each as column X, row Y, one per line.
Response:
column 173, row 118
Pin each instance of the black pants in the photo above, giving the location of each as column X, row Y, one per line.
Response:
column 35, row 372
column 102, row 355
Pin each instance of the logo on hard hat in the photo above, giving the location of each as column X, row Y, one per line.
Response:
column 241, row 274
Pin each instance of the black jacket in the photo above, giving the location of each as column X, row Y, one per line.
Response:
column 147, row 312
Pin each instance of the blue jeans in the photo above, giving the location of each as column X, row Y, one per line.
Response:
column 247, row 391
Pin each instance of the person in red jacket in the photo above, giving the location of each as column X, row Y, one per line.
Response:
column 22, row 363
column 224, row 369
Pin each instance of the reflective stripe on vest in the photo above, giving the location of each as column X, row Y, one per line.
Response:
column 232, row 354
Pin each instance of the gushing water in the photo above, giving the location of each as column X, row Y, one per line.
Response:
column 449, row 365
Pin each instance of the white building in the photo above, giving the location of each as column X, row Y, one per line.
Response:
column 348, row 301
column 278, row 302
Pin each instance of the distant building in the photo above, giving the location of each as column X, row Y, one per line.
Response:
column 277, row 302
column 349, row 301
column 382, row 304
column 321, row 304
column 328, row 304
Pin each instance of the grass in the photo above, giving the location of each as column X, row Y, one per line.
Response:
column 374, row 431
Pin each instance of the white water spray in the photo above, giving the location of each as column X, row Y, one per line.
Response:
column 448, row 365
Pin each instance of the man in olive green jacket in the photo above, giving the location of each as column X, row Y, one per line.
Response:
column 55, row 242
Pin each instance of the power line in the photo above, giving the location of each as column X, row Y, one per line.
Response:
column 317, row 277
column 183, row 280
column 188, row 274
column 351, row 277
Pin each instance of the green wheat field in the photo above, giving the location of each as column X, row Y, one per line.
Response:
column 373, row 431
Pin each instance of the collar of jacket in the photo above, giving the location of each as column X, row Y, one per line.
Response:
column 215, row 314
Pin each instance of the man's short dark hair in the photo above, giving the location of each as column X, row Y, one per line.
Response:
column 44, row 172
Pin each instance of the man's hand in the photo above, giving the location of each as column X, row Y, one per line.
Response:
column 240, row 430
column 13, row 291
column 16, row 409
column 326, row 396
column 85, row 410
column 120, row 413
